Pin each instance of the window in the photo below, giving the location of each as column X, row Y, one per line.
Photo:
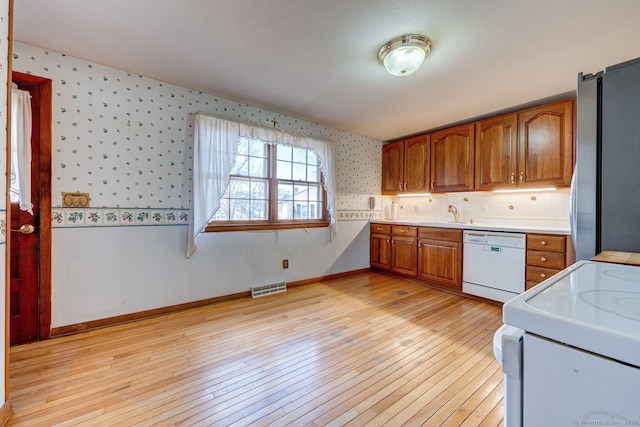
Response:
column 305, row 203
column 271, row 186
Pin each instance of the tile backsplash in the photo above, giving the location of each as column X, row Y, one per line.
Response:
column 548, row 208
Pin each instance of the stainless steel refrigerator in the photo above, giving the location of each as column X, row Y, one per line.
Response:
column 605, row 192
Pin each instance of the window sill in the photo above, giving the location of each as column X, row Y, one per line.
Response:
column 213, row 228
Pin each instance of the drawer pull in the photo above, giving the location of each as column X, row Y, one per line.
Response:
column 543, row 243
column 543, row 275
column 404, row 231
column 543, row 259
column 379, row 228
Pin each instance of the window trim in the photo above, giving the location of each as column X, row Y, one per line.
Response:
column 273, row 223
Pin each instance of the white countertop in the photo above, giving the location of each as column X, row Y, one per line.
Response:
column 520, row 228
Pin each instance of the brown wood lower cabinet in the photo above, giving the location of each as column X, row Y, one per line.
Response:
column 380, row 246
column 547, row 255
column 403, row 249
column 440, row 256
column 431, row 254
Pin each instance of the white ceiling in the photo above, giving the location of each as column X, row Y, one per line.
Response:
column 316, row 59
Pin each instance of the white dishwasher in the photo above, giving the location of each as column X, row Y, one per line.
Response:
column 494, row 264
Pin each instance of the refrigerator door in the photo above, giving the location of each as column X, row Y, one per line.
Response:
column 620, row 160
column 584, row 182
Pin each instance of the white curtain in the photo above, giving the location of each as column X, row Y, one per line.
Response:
column 21, row 148
column 214, row 146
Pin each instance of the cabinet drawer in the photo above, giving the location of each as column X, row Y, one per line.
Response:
column 380, row 228
column 447, row 234
column 546, row 259
column 403, row 230
column 545, row 242
column 538, row 274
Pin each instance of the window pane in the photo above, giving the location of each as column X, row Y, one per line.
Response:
column 239, row 188
column 315, row 210
column 284, row 170
column 243, row 146
column 313, row 173
column 285, row 210
column 300, row 155
column 258, row 167
column 239, row 209
column 315, row 192
column 257, row 148
column 300, row 192
column 240, row 166
column 259, row 189
column 299, row 172
column 284, row 152
column 285, row 191
column 259, row 209
column 301, row 211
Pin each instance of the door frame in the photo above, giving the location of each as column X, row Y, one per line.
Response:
column 44, row 223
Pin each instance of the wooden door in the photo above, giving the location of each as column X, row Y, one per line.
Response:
column 452, row 159
column 403, row 255
column 440, row 262
column 416, row 164
column 30, row 260
column 496, row 152
column 393, row 167
column 545, row 145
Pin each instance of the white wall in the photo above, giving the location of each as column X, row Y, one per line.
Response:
column 127, row 140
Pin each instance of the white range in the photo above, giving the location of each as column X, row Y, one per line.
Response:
column 571, row 350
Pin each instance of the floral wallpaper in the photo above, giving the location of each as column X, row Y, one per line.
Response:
column 127, row 140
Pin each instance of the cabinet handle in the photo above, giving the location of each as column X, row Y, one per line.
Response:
column 400, row 186
column 404, row 231
column 388, row 240
column 543, row 275
column 419, row 245
column 379, row 228
column 543, row 243
column 392, row 242
column 521, row 177
column 512, row 180
column 543, row 259
column 432, row 184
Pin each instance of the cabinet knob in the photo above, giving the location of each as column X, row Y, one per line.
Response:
column 543, row 259
column 543, row 275
column 543, row 243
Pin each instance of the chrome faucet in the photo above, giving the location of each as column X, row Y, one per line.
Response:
column 454, row 211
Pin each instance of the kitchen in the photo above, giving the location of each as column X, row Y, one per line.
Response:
column 84, row 298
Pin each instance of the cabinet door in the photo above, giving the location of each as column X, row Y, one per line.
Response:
column 416, row 164
column 404, row 255
column 496, row 152
column 380, row 251
column 452, row 159
column 545, row 145
column 440, row 262
column 393, row 167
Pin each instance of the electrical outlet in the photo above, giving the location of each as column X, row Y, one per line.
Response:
column 285, row 263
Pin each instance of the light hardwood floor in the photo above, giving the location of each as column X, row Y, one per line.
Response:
column 366, row 349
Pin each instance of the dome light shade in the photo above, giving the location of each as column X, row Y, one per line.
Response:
column 403, row 55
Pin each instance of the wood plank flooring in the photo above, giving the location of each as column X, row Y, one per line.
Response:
column 366, row 349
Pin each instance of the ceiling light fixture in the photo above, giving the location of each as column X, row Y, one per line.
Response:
column 403, row 55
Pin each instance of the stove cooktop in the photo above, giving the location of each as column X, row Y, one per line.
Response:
column 590, row 305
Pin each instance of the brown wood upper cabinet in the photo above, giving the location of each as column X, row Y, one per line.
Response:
column 405, row 165
column 530, row 148
column 452, row 159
